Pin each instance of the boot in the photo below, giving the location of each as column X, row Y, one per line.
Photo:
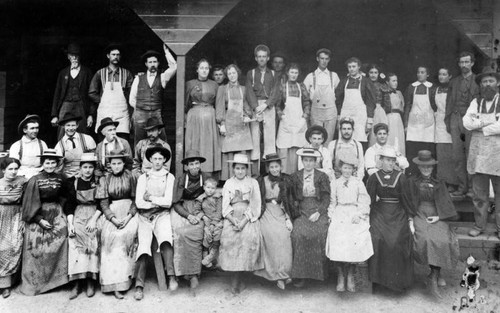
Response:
column 341, row 279
column 172, row 283
column 6, row 293
column 139, row 293
column 351, row 286
column 281, row 284
column 90, row 288
column 235, row 283
column 193, row 282
column 119, row 295
column 212, row 255
column 432, row 283
column 75, row 290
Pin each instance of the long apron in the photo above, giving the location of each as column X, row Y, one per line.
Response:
column 355, row 108
column 292, row 128
column 396, row 136
column 83, row 248
column 119, row 248
column 45, row 252
column 446, row 166
column 379, row 116
column 421, row 119
column 72, row 161
column 11, row 243
column 238, row 137
column 441, row 135
column 484, row 150
column 114, row 105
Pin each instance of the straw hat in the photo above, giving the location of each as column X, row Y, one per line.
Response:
column 50, row 153
column 309, row 152
column 424, row 157
column 240, row 158
column 88, row 157
column 388, row 152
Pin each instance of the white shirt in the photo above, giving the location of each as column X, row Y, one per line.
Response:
column 322, row 79
column 473, row 122
column 164, row 77
column 372, row 157
column 156, row 177
column 74, row 71
column 68, row 145
column 31, row 148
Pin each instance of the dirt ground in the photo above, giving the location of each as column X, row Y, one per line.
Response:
column 214, row 296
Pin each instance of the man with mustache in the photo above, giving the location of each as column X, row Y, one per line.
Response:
column 154, row 129
column 146, row 94
column 462, row 90
column 483, row 120
column 109, row 90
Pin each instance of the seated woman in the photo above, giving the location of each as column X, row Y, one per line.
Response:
column 275, row 223
column 349, row 241
column 116, row 193
column 310, row 193
column 187, row 223
column 435, row 243
column 241, row 246
column 391, row 265
column 11, row 223
column 47, row 199
column 83, row 242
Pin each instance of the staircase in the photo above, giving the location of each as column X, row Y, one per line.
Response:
column 475, row 18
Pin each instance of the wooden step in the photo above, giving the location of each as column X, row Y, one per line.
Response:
column 486, row 246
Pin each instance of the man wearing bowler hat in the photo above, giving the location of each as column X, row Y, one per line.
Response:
column 71, row 94
column 111, row 143
column 109, row 90
column 146, row 93
column 483, row 120
column 153, row 129
column 28, row 147
column 73, row 144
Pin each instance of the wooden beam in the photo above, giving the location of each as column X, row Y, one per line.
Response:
column 180, row 35
column 181, row 48
column 181, row 21
column 179, row 114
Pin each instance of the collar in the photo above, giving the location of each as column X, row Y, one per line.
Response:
column 349, row 142
column 152, row 74
column 231, row 85
column 110, row 70
column 468, row 77
column 268, row 70
column 74, row 68
column 27, row 140
column 66, row 137
column 377, row 146
column 105, row 140
column 319, row 71
column 161, row 172
column 426, row 84
column 359, row 77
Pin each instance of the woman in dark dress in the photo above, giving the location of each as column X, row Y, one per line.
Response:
column 391, row 266
column 435, row 243
column 46, row 202
column 310, row 196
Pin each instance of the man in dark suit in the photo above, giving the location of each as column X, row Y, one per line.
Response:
column 71, row 94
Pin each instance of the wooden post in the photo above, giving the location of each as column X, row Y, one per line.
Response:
column 179, row 114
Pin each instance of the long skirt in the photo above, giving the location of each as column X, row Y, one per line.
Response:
column 412, row 148
column 84, row 247
column 346, row 241
column 446, row 166
column 396, row 135
column 188, row 244
column 45, row 252
column 291, row 162
column 277, row 244
column 202, row 135
column 11, row 243
column 118, row 249
column 241, row 250
column 308, row 242
column 391, row 264
column 434, row 244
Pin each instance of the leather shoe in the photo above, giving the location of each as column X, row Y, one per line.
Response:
column 139, row 293
column 6, row 293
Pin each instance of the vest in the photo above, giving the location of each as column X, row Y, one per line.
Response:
column 149, row 98
column 73, row 92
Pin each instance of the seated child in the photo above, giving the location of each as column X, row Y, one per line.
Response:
column 211, row 205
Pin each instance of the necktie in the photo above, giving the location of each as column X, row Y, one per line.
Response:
column 72, row 139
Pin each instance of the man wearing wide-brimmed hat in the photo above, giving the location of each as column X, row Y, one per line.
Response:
column 153, row 128
column 154, row 201
column 316, row 136
column 483, row 119
column 109, row 90
column 71, row 94
column 111, row 143
column 146, row 93
column 28, row 147
column 73, row 144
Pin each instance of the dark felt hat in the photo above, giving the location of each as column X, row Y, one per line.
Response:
column 380, row 126
column 106, row 122
column 150, row 53
column 424, row 157
column 113, row 46
column 192, row 155
column 23, row 123
column 487, row 71
column 153, row 122
column 316, row 128
column 158, row 148
column 272, row 158
column 117, row 155
column 68, row 117
column 73, row 48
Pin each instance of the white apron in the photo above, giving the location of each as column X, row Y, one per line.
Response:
column 323, row 106
column 114, row 105
column 421, row 119
column 484, row 150
column 355, row 108
column 292, row 129
column 238, row 137
column 396, row 136
column 441, row 135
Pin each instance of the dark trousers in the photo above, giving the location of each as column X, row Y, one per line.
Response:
column 460, row 141
column 167, row 253
column 481, row 187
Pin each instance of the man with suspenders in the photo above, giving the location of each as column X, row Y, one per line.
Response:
column 321, row 85
column 347, row 146
column 72, row 145
column 29, row 147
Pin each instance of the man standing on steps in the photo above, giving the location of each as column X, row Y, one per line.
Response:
column 461, row 91
column 109, row 89
column 146, row 93
column 321, row 85
column 71, row 94
column 483, row 120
